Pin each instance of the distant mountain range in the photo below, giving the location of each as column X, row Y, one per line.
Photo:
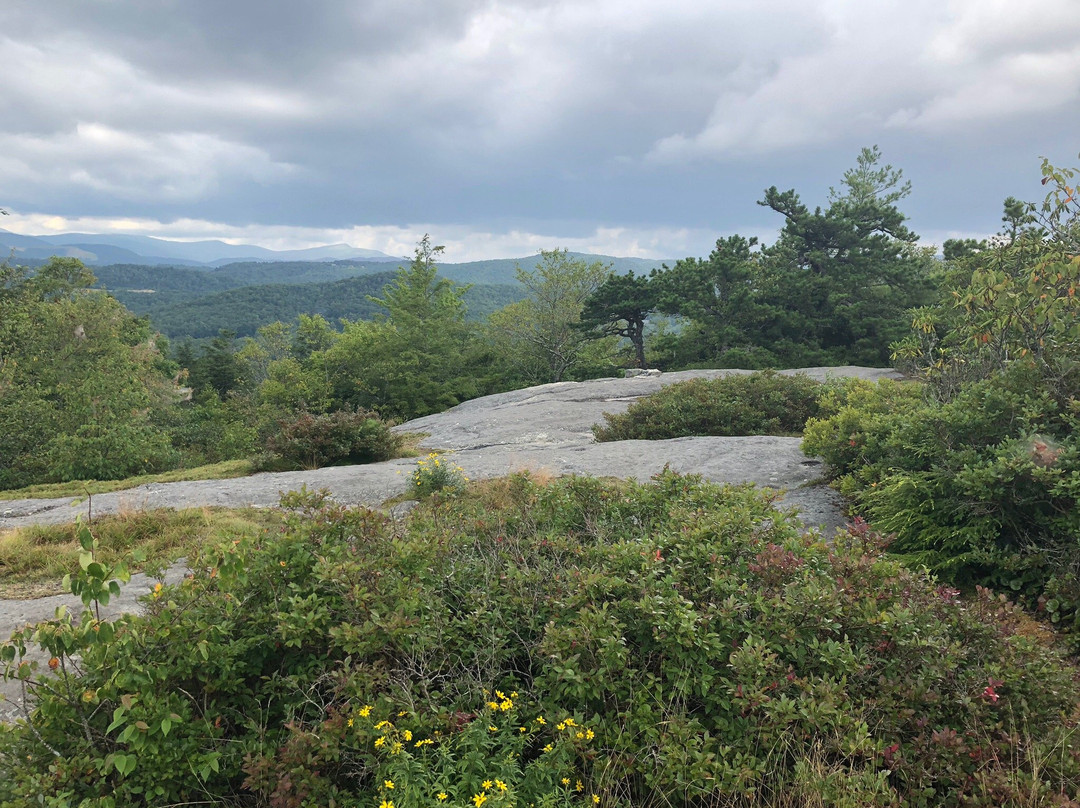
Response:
column 184, row 301
column 194, row 289
column 100, row 250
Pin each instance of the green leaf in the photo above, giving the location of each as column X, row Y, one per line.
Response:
column 118, row 719
column 166, row 726
column 125, row 764
column 86, row 538
column 86, row 559
column 106, row 632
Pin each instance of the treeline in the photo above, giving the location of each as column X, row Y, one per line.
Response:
column 89, row 391
column 832, row 290
column 835, row 288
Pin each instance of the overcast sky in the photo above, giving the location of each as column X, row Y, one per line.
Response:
column 627, row 127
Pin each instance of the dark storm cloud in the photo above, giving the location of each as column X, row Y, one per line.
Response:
column 550, row 118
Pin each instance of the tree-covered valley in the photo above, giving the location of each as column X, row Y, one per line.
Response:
column 579, row 641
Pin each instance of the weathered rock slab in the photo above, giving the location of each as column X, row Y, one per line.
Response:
column 545, row 429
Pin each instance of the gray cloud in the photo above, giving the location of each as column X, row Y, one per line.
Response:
column 553, row 118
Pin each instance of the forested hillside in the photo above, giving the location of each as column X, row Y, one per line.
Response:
column 246, row 309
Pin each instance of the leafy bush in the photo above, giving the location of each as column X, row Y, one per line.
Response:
column 982, row 489
column 210, row 430
column 310, row 441
column 676, row 644
column 433, row 474
column 762, row 403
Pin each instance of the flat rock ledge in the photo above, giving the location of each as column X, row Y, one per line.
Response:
column 545, row 429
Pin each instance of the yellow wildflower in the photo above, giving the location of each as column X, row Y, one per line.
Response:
column 492, row 728
column 479, row 799
column 382, row 724
column 486, row 785
column 389, row 784
column 365, row 711
column 579, row 786
column 580, row 736
column 401, row 714
column 540, row 720
column 589, row 735
column 380, row 741
column 350, row 722
column 521, row 729
column 566, row 781
column 560, row 726
column 548, row 748
column 441, row 796
column 595, row 799
column 395, row 748
column 570, row 722
column 407, row 735
column 386, row 804
column 499, row 784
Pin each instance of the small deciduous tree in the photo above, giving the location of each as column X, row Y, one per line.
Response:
column 81, row 380
column 541, row 333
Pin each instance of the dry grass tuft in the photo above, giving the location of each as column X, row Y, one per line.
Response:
column 34, row 559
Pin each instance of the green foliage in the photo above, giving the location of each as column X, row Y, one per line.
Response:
column 977, row 478
column 833, row 289
column 247, row 308
column 421, row 357
column 840, row 280
column 717, row 296
column 81, row 381
column 1013, row 299
column 311, row 441
column 433, row 474
column 541, row 336
column 981, row 489
column 209, row 430
column 754, row 404
column 620, row 306
column 677, row 644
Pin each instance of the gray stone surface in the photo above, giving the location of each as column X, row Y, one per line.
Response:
column 541, row 429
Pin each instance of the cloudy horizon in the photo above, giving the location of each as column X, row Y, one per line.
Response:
column 634, row 128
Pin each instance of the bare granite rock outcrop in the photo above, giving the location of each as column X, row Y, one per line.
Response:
column 545, row 428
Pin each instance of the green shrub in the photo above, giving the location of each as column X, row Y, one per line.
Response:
column 982, row 489
column 762, row 403
column 706, row 652
column 210, row 430
column 311, row 441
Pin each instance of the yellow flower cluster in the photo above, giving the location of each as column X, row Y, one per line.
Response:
column 502, row 702
column 386, row 728
column 480, row 798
